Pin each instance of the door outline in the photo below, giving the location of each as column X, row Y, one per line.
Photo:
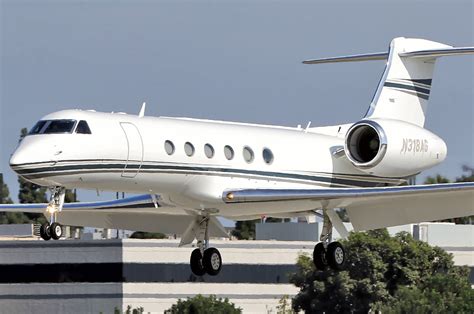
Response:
column 128, row 129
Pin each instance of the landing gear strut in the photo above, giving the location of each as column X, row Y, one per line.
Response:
column 205, row 259
column 327, row 253
column 54, row 230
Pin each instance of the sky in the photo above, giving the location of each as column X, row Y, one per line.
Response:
column 226, row 60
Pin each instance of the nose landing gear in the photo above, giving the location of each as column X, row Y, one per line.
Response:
column 54, row 230
column 328, row 253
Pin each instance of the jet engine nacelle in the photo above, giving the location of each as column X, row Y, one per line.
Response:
column 392, row 148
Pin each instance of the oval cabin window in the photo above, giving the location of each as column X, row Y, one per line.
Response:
column 248, row 154
column 169, row 147
column 228, row 152
column 189, row 149
column 209, row 150
column 267, row 156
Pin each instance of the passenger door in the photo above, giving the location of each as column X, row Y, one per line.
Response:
column 134, row 150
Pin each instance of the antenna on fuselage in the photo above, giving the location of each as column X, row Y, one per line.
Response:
column 142, row 110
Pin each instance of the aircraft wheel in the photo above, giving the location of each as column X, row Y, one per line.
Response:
column 212, row 261
column 336, row 256
column 319, row 256
column 196, row 263
column 55, row 230
column 44, row 232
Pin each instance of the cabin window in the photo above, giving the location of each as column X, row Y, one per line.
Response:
column 169, row 147
column 248, row 154
column 267, row 156
column 228, row 152
column 209, row 150
column 38, row 127
column 83, row 128
column 189, row 149
column 59, row 126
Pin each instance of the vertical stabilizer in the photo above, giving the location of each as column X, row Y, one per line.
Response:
column 404, row 89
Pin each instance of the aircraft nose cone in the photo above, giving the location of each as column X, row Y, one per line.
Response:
column 26, row 152
column 18, row 158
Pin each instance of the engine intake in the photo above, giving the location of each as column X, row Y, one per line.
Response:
column 366, row 144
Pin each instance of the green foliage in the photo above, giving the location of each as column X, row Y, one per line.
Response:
column 4, row 192
column 284, row 306
column 129, row 310
column 31, row 193
column 343, row 215
column 201, row 304
column 70, row 196
column 272, row 219
column 467, row 176
column 245, row 230
column 8, row 217
column 436, row 180
column 147, row 235
column 381, row 272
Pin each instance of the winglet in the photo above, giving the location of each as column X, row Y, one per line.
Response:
column 142, row 110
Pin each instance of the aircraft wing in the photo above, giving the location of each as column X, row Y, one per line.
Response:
column 142, row 213
column 373, row 208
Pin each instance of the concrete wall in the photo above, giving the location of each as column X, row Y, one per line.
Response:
column 439, row 234
column 447, row 234
column 97, row 276
column 16, row 230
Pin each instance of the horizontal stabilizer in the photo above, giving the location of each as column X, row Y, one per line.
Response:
column 351, row 58
column 441, row 51
column 435, row 53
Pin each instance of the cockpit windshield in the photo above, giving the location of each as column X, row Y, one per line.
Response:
column 53, row 127
column 38, row 127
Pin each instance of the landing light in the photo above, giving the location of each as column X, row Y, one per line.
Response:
column 230, row 196
column 51, row 209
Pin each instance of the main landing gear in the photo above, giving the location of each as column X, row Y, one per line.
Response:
column 54, row 230
column 205, row 259
column 327, row 253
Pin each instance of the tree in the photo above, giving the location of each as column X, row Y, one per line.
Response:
column 468, row 176
column 381, row 273
column 201, row 304
column 8, row 217
column 436, row 180
column 245, row 230
column 4, row 192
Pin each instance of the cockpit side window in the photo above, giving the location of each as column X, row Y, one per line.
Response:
column 38, row 127
column 83, row 128
column 59, row 126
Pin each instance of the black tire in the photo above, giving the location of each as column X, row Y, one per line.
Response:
column 212, row 261
column 56, row 231
column 336, row 256
column 319, row 256
column 44, row 232
column 196, row 263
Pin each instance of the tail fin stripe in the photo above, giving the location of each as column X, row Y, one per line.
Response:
column 408, row 87
column 409, row 82
column 422, row 96
column 421, row 81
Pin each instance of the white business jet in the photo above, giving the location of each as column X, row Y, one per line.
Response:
column 193, row 171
